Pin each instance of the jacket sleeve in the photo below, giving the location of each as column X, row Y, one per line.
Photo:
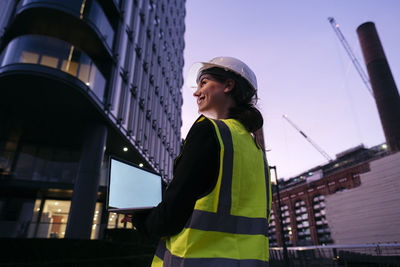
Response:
column 195, row 175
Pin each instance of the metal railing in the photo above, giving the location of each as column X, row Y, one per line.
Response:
column 385, row 254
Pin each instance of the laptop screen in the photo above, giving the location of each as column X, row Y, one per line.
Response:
column 131, row 187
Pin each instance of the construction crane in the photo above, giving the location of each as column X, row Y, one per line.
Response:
column 320, row 150
column 353, row 58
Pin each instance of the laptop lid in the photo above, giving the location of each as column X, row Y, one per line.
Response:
column 132, row 188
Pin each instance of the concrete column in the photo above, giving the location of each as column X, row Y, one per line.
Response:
column 84, row 198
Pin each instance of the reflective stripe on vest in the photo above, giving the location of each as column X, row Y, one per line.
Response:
column 164, row 258
column 214, row 235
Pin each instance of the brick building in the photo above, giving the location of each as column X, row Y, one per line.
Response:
column 303, row 197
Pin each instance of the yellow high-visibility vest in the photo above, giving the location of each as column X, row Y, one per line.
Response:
column 229, row 226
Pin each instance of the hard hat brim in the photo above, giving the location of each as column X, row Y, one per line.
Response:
column 196, row 68
column 191, row 78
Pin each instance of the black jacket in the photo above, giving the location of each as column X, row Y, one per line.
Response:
column 195, row 175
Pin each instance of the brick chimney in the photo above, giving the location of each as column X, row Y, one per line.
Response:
column 385, row 91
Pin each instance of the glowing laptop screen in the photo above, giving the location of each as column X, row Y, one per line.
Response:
column 131, row 187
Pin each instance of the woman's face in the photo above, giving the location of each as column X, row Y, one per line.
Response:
column 211, row 95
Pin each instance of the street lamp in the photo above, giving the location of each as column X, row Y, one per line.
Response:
column 285, row 252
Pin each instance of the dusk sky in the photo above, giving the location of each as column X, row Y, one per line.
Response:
column 301, row 67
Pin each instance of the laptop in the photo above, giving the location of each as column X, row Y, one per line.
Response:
column 132, row 188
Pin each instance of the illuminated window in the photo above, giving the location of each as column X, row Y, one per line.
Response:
column 70, row 66
column 51, row 221
column 54, row 53
column 96, row 221
column 49, row 61
column 28, row 57
column 114, row 220
column 84, row 73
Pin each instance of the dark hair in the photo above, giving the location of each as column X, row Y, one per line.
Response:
column 245, row 97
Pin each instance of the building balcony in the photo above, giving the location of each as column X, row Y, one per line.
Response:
column 286, row 213
column 56, row 54
column 90, row 11
column 79, row 22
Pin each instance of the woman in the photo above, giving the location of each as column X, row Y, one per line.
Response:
column 215, row 211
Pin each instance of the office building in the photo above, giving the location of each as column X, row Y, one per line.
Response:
column 81, row 80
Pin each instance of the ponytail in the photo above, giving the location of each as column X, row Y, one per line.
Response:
column 248, row 115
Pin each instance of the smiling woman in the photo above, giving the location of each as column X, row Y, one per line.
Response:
column 212, row 97
column 237, row 97
column 216, row 209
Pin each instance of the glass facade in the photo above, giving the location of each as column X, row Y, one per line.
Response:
column 50, row 217
column 146, row 99
column 23, row 159
column 89, row 10
column 57, row 54
column 130, row 85
column 43, row 163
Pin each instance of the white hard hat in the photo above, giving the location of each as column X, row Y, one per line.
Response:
column 227, row 63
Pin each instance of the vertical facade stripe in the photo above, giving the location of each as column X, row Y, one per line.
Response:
column 225, row 201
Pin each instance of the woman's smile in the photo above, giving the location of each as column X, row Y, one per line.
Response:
column 200, row 100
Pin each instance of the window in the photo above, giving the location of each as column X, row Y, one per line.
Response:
column 303, row 230
column 114, row 220
column 50, row 218
column 95, row 15
column 322, row 227
column 57, row 54
column 272, row 231
column 43, row 163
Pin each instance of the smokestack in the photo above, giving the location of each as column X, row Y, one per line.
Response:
column 385, row 91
